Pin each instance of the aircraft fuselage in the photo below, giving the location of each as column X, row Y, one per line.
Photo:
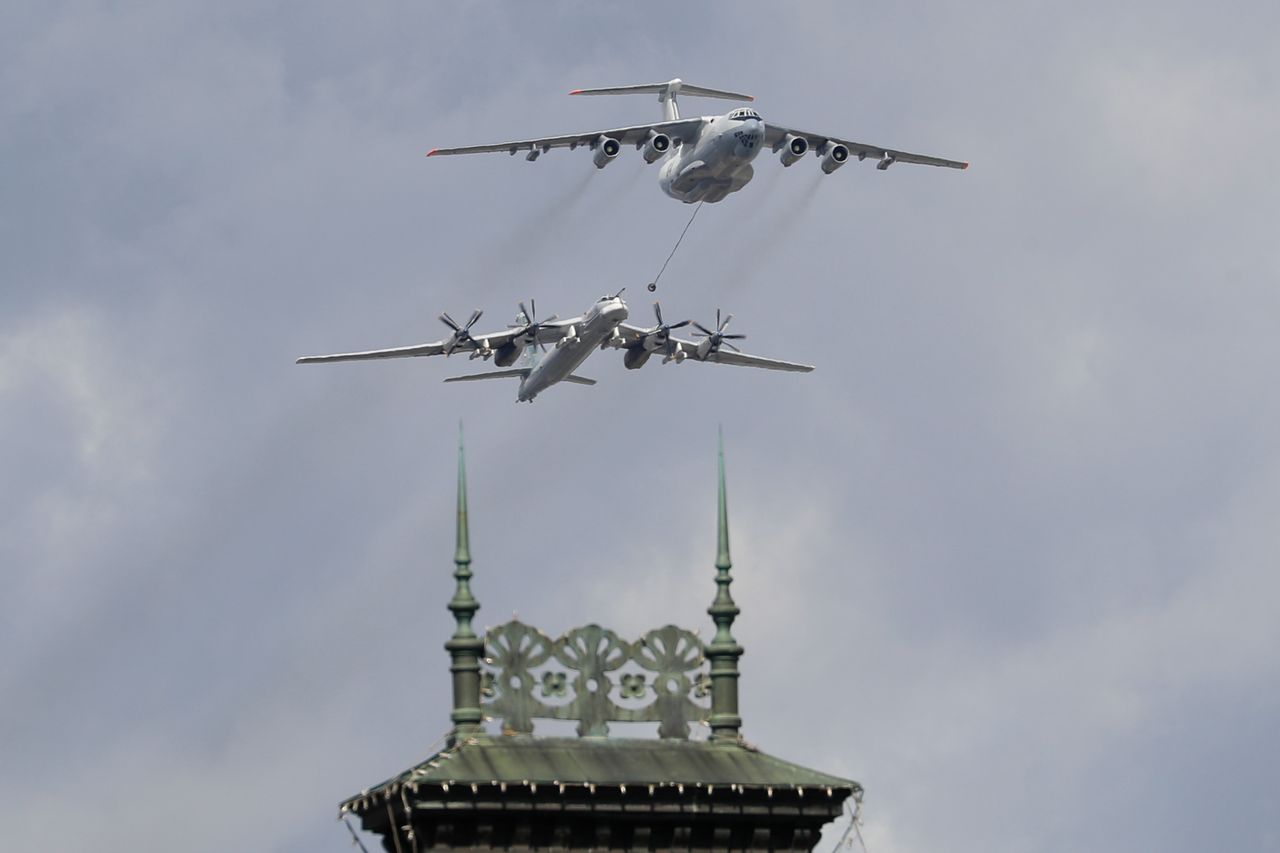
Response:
column 716, row 163
column 589, row 332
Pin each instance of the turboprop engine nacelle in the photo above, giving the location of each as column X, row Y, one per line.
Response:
column 506, row 355
column 793, row 148
column 834, row 155
column 635, row 358
column 606, row 149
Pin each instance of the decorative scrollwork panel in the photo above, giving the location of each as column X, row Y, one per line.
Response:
column 593, row 676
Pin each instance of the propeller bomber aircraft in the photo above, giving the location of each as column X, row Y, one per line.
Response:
column 572, row 341
column 707, row 157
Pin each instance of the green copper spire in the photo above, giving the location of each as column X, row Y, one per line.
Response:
column 464, row 647
column 462, row 555
column 724, row 651
column 723, row 563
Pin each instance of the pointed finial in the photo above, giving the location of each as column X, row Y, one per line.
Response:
column 722, row 530
column 724, row 651
column 462, row 555
column 464, row 647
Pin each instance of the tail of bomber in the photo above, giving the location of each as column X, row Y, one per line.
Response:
column 666, row 93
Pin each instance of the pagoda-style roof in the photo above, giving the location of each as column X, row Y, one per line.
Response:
column 525, row 760
column 510, row 789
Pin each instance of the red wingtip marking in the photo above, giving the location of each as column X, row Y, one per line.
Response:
column 965, row 166
column 576, row 92
column 751, row 98
column 432, row 152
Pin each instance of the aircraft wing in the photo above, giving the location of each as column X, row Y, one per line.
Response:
column 774, row 134
column 398, row 352
column 548, row 333
column 629, row 336
column 680, row 130
column 742, row 359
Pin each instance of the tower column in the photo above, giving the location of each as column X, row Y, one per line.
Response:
column 464, row 647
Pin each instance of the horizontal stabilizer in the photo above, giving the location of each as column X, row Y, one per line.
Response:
column 514, row 373
column 671, row 87
column 579, row 380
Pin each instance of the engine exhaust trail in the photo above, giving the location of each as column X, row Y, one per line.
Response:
column 531, row 239
column 773, row 231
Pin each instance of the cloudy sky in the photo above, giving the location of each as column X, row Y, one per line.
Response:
column 1013, row 544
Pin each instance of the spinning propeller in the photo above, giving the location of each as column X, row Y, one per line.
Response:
column 662, row 331
column 529, row 330
column 714, row 339
column 461, row 334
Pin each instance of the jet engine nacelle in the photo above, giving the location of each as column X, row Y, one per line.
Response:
column 506, row 355
column 834, row 155
column 793, row 148
column 606, row 149
column 655, row 146
column 635, row 358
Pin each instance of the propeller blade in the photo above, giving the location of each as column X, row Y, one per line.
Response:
column 528, row 318
column 657, row 312
column 731, row 346
column 727, row 320
column 732, row 337
column 701, row 328
column 449, row 321
column 534, row 306
column 680, row 325
column 475, row 315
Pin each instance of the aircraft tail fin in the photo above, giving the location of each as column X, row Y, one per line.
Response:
column 666, row 93
column 514, row 373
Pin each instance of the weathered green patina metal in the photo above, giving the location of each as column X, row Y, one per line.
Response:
column 464, row 647
column 724, row 650
column 593, row 676
column 563, row 794
column 609, row 761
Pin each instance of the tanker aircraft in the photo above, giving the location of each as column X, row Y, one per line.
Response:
column 707, row 157
column 572, row 341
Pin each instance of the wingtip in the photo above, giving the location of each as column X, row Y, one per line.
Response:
column 751, row 98
column 577, row 91
column 433, row 152
column 964, row 166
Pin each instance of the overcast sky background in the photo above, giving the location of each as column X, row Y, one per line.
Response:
column 1008, row 557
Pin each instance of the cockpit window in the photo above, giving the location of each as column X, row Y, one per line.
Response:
column 743, row 114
